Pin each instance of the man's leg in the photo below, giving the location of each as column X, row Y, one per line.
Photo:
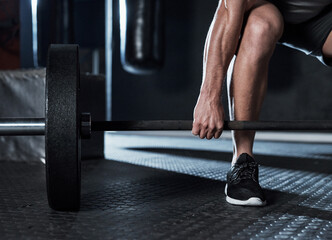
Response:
column 248, row 86
column 327, row 49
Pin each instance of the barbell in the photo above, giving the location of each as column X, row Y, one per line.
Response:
column 64, row 126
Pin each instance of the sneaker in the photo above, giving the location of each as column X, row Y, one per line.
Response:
column 242, row 186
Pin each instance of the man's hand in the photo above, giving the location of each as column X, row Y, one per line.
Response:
column 208, row 118
column 220, row 46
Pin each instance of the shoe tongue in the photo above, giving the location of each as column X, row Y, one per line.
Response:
column 244, row 157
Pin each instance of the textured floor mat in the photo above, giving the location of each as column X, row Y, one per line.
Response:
column 172, row 188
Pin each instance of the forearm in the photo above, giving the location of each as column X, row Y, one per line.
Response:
column 221, row 44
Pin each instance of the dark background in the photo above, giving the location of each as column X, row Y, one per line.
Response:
column 9, row 34
column 299, row 86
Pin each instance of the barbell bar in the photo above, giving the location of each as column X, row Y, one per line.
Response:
column 22, row 126
column 64, row 126
column 228, row 125
column 36, row 126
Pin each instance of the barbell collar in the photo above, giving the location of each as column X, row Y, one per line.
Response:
column 85, row 125
column 22, row 126
column 228, row 125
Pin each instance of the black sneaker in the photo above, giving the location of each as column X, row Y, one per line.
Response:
column 242, row 186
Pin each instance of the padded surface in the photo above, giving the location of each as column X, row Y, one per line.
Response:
column 22, row 95
column 172, row 188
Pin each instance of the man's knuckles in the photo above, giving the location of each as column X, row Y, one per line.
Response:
column 220, row 126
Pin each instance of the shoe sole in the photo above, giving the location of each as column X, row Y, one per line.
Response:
column 253, row 201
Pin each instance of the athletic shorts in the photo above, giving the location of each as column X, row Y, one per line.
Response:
column 306, row 34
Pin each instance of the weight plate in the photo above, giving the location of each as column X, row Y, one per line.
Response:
column 62, row 136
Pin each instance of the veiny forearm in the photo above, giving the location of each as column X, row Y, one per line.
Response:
column 221, row 44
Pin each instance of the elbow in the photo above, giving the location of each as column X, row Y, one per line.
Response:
column 239, row 6
column 249, row 4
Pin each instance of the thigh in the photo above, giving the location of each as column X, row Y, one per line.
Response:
column 262, row 16
column 266, row 13
column 327, row 49
column 299, row 11
column 310, row 36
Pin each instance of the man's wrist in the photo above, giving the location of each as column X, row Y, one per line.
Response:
column 211, row 94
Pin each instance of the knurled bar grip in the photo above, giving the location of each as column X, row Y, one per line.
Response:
column 228, row 125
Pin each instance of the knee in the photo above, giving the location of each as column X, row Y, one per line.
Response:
column 261, row 34
column 263, row 30
column 327, row 47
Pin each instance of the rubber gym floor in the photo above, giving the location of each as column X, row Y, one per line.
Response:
column 171, row 186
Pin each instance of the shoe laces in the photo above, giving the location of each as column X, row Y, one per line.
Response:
column 244, row 171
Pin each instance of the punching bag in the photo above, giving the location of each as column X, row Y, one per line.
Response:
column 141, row 35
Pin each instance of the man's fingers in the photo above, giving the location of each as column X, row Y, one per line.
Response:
column 195, row 130
column 217, row 134
column 210, row 133
column 203, row 131
column 206, row 131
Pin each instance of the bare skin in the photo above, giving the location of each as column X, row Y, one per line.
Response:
column 262, row 30
column 247, row 89
column 327, row 48
column 221, row 43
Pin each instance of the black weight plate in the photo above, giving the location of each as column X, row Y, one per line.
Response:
column 62, row 137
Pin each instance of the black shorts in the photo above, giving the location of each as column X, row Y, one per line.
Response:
column 308, row 35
